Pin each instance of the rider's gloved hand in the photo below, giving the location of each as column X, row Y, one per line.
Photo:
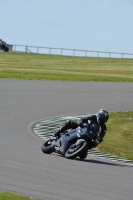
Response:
column 97, row 139
column 96, row 142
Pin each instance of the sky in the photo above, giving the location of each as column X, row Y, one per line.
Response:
column 98, row 25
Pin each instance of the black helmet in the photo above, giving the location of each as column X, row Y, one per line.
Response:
column 102, row 116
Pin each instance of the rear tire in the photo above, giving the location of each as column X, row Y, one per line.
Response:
column 47, row 147
column 76, row 150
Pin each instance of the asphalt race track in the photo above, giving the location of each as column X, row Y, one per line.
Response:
column 24, row 169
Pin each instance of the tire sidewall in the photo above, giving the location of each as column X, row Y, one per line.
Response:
column 47, row 149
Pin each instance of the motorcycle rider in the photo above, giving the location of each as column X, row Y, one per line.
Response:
column 100, row 118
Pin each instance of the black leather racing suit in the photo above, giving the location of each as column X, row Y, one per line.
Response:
column 93, row 120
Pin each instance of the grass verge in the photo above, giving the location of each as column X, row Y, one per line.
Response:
column 13, row 196
column 54, row 67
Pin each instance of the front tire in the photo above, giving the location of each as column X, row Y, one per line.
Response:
column 47, row 147
column 83, row 155
column 76, row 149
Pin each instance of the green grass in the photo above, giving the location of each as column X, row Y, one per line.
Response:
column 13, row 196
column 119, row 138
column 54, row 67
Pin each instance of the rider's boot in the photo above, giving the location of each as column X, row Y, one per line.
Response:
column 57, row 134
column 69, row 124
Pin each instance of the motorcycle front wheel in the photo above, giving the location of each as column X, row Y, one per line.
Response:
column 47, row 147
column 76, row 149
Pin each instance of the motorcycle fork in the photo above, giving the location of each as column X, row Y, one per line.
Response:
column 57, row 148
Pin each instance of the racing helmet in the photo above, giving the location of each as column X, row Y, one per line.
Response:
column 102, row 116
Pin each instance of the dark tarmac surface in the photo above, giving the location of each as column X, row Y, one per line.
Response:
column 24, row 169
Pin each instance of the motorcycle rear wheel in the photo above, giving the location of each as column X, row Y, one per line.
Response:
column 47, row 147
column 76, row 150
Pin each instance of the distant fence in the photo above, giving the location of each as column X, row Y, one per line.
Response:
column 10, row 46
column 69, row 52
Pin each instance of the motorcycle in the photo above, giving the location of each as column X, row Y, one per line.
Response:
column 74, row 142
